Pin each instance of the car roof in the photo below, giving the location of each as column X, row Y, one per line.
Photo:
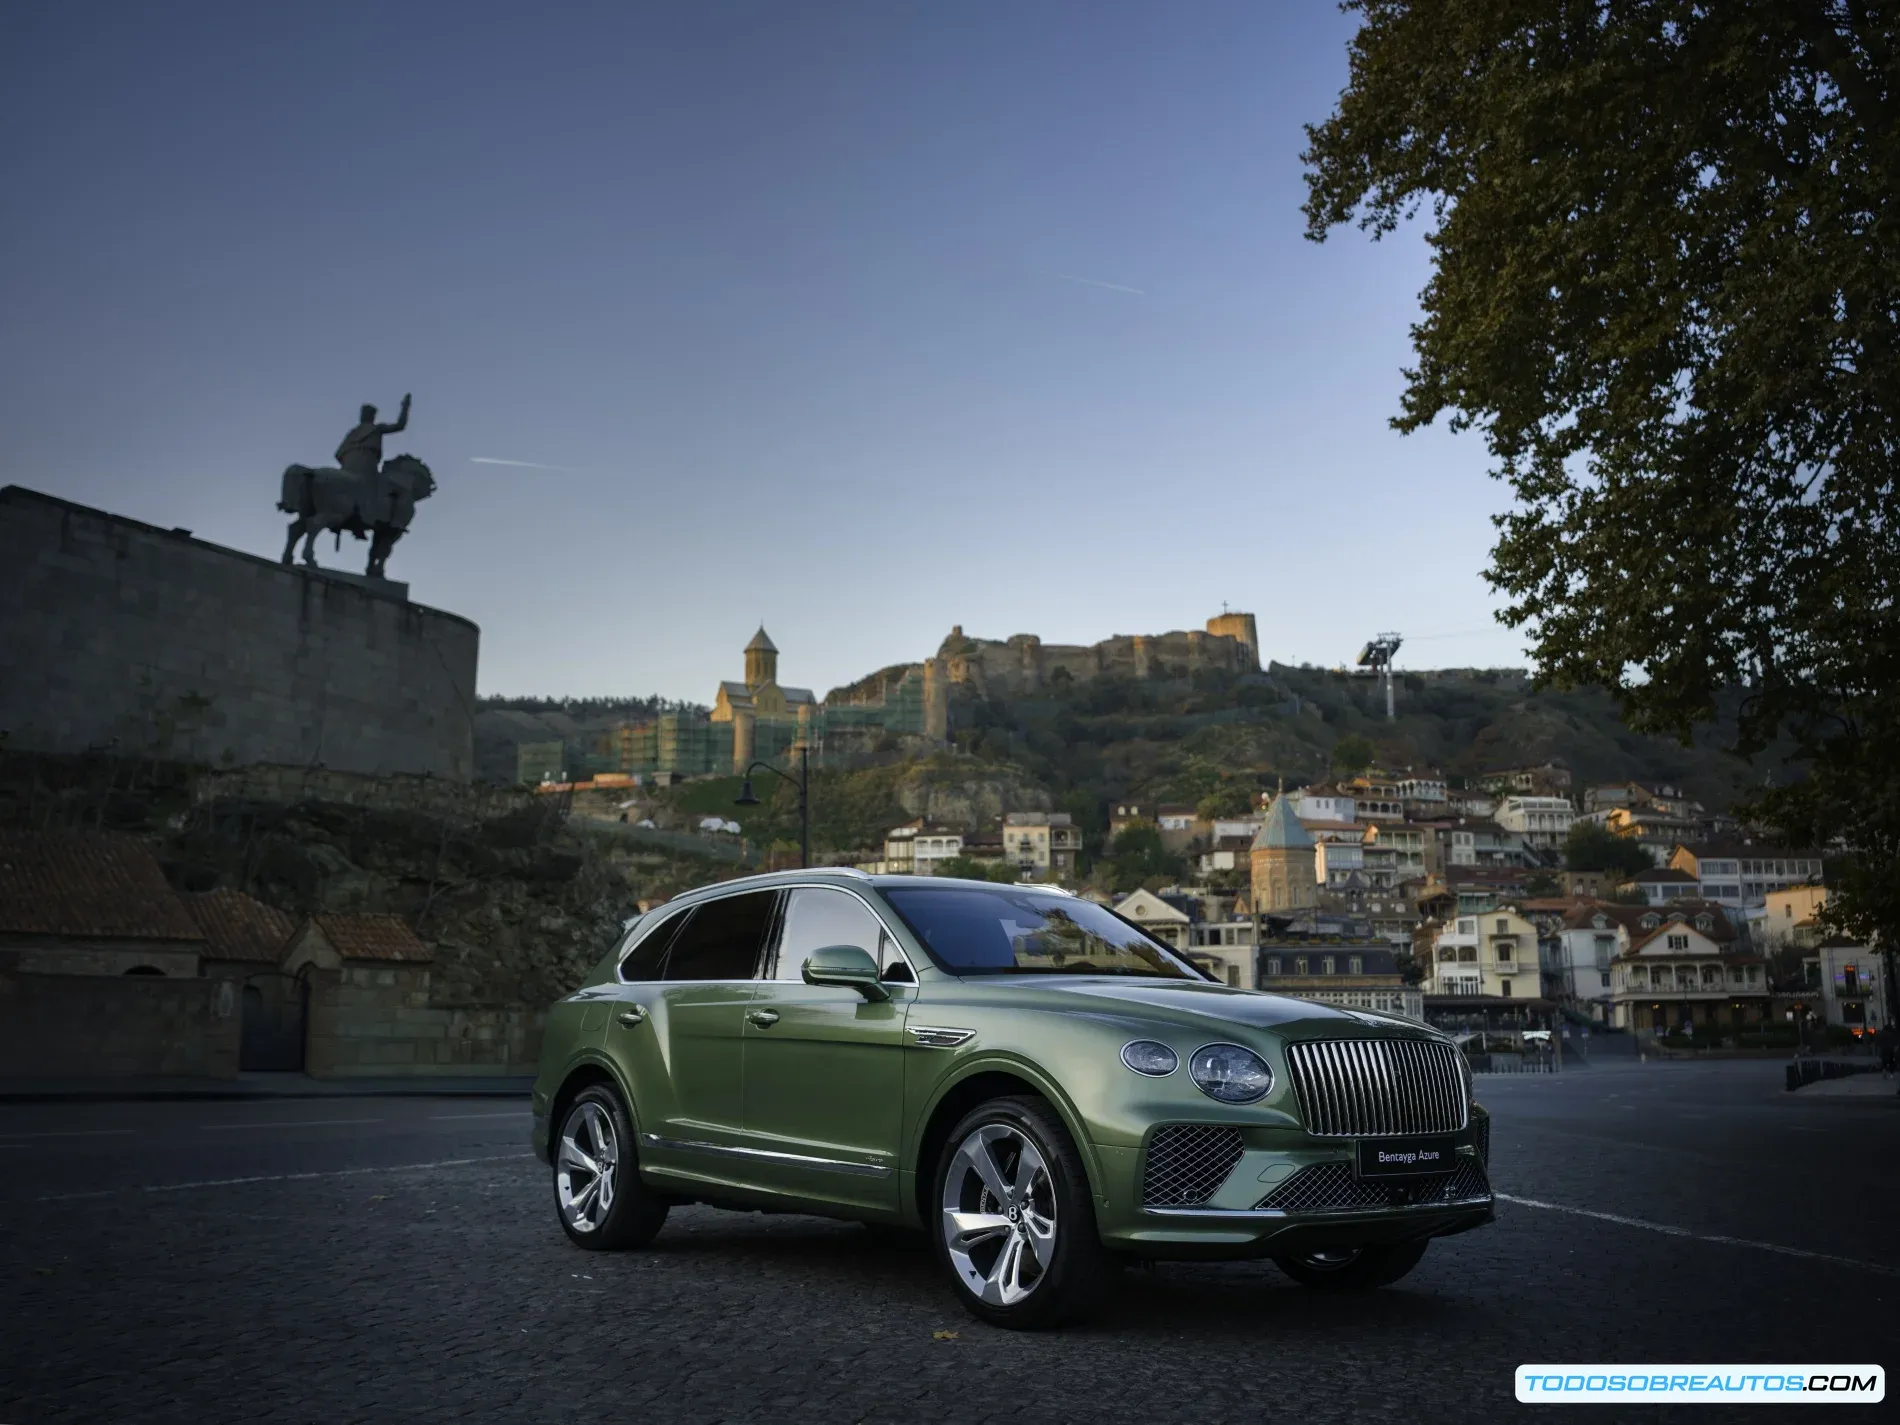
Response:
column 850, row 875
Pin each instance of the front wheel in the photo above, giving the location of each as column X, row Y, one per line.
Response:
column 1015, row 1225
column 1351, row 1268
column 598, row 1195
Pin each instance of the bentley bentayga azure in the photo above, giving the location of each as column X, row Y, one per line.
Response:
column 1034, row 1082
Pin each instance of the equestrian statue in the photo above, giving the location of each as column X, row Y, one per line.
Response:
column 370, row 497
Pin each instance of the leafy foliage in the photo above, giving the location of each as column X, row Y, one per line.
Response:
column 1352, row 754
column 970, row 869
column 1590, row 847
column 1666, row 287
column 1138, row 857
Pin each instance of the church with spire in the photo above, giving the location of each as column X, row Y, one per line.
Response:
column 767, row 720
column 1283, row 861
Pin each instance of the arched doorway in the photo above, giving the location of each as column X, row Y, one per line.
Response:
column 276, row 1008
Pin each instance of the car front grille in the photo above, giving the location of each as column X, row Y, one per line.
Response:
column 1187, row 1162
column 1370, row 1088
column 1484, row 1141
column 1334, row 1187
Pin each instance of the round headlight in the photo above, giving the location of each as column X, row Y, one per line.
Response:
column 1230, row 1073
column 1145, row 1056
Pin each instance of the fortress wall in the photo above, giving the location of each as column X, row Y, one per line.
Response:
column 115, row 630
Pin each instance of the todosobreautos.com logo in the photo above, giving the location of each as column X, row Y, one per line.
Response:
column 1690, row 1385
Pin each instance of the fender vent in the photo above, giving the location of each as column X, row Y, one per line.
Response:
column 1187, row 1162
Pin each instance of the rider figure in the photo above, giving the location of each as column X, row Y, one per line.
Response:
column 361, row 454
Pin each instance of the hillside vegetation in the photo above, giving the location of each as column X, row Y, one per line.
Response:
column 1083, row 747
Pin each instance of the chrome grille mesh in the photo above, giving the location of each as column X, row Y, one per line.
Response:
column 1334, row 1187
column 1484, row 1140
column 1187, row 1162
column 1369, row 1088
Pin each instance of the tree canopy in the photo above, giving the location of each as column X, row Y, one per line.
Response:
column 1590, row 847
column 1666, row 288
column 1352, row 754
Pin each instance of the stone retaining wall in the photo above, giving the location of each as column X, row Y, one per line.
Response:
column 118, row 634
column 375, row 1020
column 128, row 1026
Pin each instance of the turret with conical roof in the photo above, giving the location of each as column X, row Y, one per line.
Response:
column 1283, row 861
column 761, row 660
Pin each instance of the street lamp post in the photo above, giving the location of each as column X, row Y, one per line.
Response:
column 747, row 798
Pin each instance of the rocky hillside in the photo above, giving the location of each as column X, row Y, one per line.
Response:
column 517, row 902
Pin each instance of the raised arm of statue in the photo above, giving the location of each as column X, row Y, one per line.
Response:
column 401, row 421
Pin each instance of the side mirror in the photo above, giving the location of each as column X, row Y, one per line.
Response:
column 846, row 965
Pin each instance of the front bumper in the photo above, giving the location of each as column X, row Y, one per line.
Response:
column 1288, row 1191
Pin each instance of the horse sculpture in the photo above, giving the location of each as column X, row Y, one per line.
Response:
column 378, row 506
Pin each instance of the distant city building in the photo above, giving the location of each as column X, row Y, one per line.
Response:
column 1741, row 873
column 1851, row 987
column 1679, row 971
column 1284, row 862
column 919, row 848
column 1351, row 973
column 1546, row 778
column 1041, row 844
column 1542, row 822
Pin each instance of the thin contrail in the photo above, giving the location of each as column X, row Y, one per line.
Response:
column 519, row 464
column 1091, row 282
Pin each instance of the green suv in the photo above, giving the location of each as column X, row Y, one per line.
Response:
column 1030, row 1079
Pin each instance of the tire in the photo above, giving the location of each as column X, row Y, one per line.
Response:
column 599, row 1199
column 1028, row 1257
column 1352, row 1269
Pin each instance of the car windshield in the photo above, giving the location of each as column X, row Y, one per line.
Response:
column 977, row 930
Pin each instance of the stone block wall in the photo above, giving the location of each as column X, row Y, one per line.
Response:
column 113, row 631
column 370, row 1020
column 138, row 1026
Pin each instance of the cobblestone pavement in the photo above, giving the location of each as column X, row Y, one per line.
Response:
column 373, row 1291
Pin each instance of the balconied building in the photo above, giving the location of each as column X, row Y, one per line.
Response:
column 1543, row 822
column 1677, row 975
column 1042, row 845
column 1741, row 873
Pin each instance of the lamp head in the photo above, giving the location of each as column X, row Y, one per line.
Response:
column 746, row 797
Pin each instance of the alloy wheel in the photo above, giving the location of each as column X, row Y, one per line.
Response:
column 999, row 1214
column 586, row 1166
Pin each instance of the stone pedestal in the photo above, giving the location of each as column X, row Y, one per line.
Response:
column 386, row 588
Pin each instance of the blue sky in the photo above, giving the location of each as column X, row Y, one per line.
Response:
column 789, row 292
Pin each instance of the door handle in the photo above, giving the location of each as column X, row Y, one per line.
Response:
column 633, row 1014
column 764, row 1018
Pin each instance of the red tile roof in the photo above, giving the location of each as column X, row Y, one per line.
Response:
column 373, row 937
column 239, row 927
column 87, row 885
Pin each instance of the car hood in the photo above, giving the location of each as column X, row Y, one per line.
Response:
column 1254, row 1008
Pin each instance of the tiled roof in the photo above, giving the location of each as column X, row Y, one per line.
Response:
column 1662, row 874
column 372, row 937
column 85, row 884
column 239, row 927
column 1281, row 829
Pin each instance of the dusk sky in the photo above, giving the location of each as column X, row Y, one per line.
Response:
column 861, row 320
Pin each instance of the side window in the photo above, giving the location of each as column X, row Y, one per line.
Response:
column 815, row 918
column 724, row 939
column 644, row 961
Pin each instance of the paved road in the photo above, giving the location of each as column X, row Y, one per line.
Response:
column 385, row 1259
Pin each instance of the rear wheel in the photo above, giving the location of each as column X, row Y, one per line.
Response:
column 1352, row 1268
column 1015, row 1225
column 598, row 1195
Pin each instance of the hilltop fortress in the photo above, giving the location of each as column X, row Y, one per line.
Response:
column 1024, row 665
column 908, row 707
